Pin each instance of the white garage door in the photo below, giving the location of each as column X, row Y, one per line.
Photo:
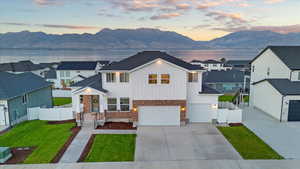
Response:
column 159, row 115
column 2, row 116
column 199, row 112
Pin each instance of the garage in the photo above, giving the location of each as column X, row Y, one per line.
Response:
column 294, row 110
column 159, row 115
column 199, row 112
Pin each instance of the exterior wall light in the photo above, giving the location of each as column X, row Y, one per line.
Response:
column 88, row 90
column 183, row 108
column 158, row 62
column 135, row 109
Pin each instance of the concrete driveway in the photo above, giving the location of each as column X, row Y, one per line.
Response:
column 282, row 137
column 191, row 142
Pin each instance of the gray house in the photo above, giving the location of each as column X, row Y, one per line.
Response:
column 18, row 92
column 228, row 81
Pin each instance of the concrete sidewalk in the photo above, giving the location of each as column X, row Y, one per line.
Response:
column 192, row 164
column 282, row 137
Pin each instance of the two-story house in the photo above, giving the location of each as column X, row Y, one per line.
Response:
column 211, row 64
column 149, row 88
column 70, row 72
column 275, row 82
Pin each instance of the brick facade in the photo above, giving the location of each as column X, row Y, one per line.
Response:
column 181, row 103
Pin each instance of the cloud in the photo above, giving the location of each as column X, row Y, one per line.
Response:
column 183, row 6
column 209, row 4
column 224, row 16
column 51, row 25
column 165, row 16
column 46, row 2
column 273, row 1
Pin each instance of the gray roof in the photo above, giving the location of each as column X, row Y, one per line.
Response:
column 228, row 76
column 51, row 74
column 94, row 82
column 13, row 85
column 284, row 86
column 289, row 55
column 208, row 90
column 210, row 61
column 142, row 58
column 238, row 62
column 22, row 66
column 80, row 65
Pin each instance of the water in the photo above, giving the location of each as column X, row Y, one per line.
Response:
column 50, row 55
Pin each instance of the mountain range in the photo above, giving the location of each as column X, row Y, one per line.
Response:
column 143, row 38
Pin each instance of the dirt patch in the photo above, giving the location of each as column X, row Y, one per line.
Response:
column 87, row 148
column 235, row 124
column 60, row 153
column 62, row 122
column 117, row 126
column 19, row 154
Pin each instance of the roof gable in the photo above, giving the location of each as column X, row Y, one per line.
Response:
column 145, row 57
column 94, row 82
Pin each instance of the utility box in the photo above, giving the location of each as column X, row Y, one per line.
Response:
column 5, row 154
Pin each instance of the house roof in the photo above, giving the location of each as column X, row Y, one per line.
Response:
column 228, row 76
column 22, row 66
column 208, row 90
column 13, row 85
column 210, row 61
column 77, row 65
column 289, row 55
column 51, row 74
column 284, row 86
column 94, row 82
column 142, row 58
column 238, row 62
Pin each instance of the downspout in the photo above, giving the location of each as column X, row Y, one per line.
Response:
column 282, row 99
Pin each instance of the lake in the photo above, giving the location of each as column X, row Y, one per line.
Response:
column 51, row 55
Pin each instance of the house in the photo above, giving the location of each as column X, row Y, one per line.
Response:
column 275, row 82
column 18, row 92
column 243, row 65
column 24, row 66
column 71, row 72
column 211, row 64
column 228, row 81
column 149, row 88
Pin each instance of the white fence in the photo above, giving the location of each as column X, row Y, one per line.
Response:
column 61, row 93
column 50, row 114
column 229, row 113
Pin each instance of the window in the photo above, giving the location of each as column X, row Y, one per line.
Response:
column 268, row 71
column 253, row 67
column 112, row 104
column 67, row 73
column 24, row 99
column 110, row 77
column 298, row 75
column 165, row 78
column 124, row 77
column 214, row 65
column 81, row 99
column 205, row 65
column 153, row 79
column 62, row 74
column 124, row 104
column 193, row 77
column 78, row 71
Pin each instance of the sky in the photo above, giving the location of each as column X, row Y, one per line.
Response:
column 197, row 19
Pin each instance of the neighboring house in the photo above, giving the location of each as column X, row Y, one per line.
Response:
column 18, row 92
column 24, row 66
column 71, row 72
column 275, row 78
column 211, row 64
column 229, row 81
column 50, row 76
column 149, row 88
column 243, row 65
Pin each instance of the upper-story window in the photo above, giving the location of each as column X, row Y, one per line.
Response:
column 165, row 78
column 124, row 77
column 214, row 65
column 205, row 65
column 152, row 79
column 110, row 77
column 253, row 67
column 65, row 74
column 268, row 71
column 193, row 77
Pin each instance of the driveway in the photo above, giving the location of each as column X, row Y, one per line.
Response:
column 191, row 142
column 282, row 137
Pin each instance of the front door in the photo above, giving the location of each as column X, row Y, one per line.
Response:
column 95, row 103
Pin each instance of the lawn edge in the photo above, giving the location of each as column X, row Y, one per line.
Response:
column 87, row 148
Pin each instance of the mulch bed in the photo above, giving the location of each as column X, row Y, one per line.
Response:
column 19, row 154
column 87, row 148
column 62, row 122
column 75, row 131
column 117, row 126
column 235, row 124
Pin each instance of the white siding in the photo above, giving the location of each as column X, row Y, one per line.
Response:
column 268, row 99
column 4, row 118
column 295, row 76
column 73, row 74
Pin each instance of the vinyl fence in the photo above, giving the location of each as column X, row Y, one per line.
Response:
column 50, row 114
column 229, row 113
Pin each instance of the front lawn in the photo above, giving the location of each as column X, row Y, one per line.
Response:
column 47, row 138
column 112, row 148
column 246, row 99
column 59, row 101
column 226, row 98
column 248, row 144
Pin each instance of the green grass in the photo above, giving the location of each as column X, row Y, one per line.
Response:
column 226, row 98
column 246, row 98
column 59, row 101
column 48, row 139
column 248, row 144
column 112, row 148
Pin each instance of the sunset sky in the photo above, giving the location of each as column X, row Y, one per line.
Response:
column 197, row 19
